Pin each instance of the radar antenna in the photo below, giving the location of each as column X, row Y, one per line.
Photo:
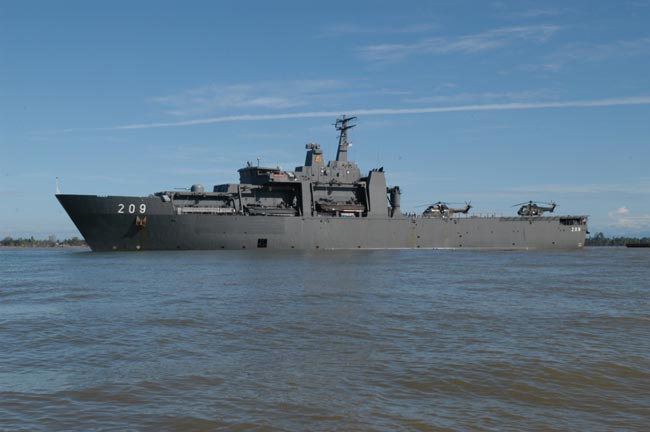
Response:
column 343, row 126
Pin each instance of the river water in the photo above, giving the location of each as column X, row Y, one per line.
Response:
column 359, row 340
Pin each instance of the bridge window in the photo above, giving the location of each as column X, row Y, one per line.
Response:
column 261, row 243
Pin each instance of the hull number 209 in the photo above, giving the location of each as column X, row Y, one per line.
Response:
column 131, row 208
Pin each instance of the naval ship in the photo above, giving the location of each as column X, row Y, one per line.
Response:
column 316, row 206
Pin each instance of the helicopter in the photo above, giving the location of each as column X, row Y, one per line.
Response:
column 533, row 208
column 442, row 209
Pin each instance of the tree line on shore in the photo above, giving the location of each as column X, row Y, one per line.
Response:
column 599, row 239
column 50, row 242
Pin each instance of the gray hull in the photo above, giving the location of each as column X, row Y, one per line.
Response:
column 116, row 223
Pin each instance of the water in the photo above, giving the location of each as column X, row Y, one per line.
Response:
column 381, row 340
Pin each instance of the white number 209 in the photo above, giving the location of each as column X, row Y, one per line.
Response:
column 131, row 208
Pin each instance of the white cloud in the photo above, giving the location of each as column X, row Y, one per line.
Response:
column 531, row 13
column 269, row 95
column 484, row 97
column 637, row 100
column 623, row 218
column 591, row 52
column 506, row 11
column 584, row 103
column 467, row 44
column 347, row 29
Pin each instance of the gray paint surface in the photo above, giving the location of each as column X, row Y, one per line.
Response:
column 316, row 206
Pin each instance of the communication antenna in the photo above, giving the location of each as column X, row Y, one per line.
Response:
column 343, row 126
column 58, row 191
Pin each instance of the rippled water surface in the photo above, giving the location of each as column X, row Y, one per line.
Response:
column 380, row 340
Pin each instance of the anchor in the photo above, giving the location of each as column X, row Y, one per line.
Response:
column 140, row 222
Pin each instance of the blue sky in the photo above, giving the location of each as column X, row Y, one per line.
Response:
column 494, row 102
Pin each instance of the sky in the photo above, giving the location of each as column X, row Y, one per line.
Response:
column 495, row 103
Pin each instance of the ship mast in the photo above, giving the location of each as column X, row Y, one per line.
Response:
column 343, row 126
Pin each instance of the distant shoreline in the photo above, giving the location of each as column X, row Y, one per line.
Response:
column 52, row 242
column 599, row 239
column 45, row 247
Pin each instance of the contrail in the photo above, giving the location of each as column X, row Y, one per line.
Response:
column 638, row 100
